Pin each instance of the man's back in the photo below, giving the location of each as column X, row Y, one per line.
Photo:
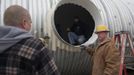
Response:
column 20, row 53
column 27, row 57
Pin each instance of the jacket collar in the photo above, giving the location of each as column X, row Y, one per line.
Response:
column 105, row 41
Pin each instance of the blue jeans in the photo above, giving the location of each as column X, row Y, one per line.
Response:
column 75, row 39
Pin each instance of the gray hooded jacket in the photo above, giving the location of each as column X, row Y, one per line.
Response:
column 9, row 36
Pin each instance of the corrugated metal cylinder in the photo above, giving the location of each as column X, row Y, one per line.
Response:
column 118, row 15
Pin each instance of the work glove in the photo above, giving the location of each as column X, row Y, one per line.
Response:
column 82, row 47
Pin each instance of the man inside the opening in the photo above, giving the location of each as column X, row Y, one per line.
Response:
column 79, row 30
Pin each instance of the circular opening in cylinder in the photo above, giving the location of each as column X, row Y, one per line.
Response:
column 73, row 23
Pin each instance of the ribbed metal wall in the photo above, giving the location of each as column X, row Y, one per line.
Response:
column 117, row 14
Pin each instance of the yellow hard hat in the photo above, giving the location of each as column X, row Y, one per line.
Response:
column 100, row 28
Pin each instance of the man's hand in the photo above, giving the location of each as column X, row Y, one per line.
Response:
column 82, row 47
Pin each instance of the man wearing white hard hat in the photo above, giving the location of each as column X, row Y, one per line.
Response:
column 105, row 57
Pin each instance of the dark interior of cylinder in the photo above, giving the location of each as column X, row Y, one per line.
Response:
column 67, row 17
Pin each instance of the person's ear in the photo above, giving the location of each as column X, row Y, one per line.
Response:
column 23, row 24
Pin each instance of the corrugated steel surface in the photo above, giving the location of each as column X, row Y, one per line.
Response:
column 117, row 14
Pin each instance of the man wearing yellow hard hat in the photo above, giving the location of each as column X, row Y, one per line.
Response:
column 102, row 31
column 106, row 57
